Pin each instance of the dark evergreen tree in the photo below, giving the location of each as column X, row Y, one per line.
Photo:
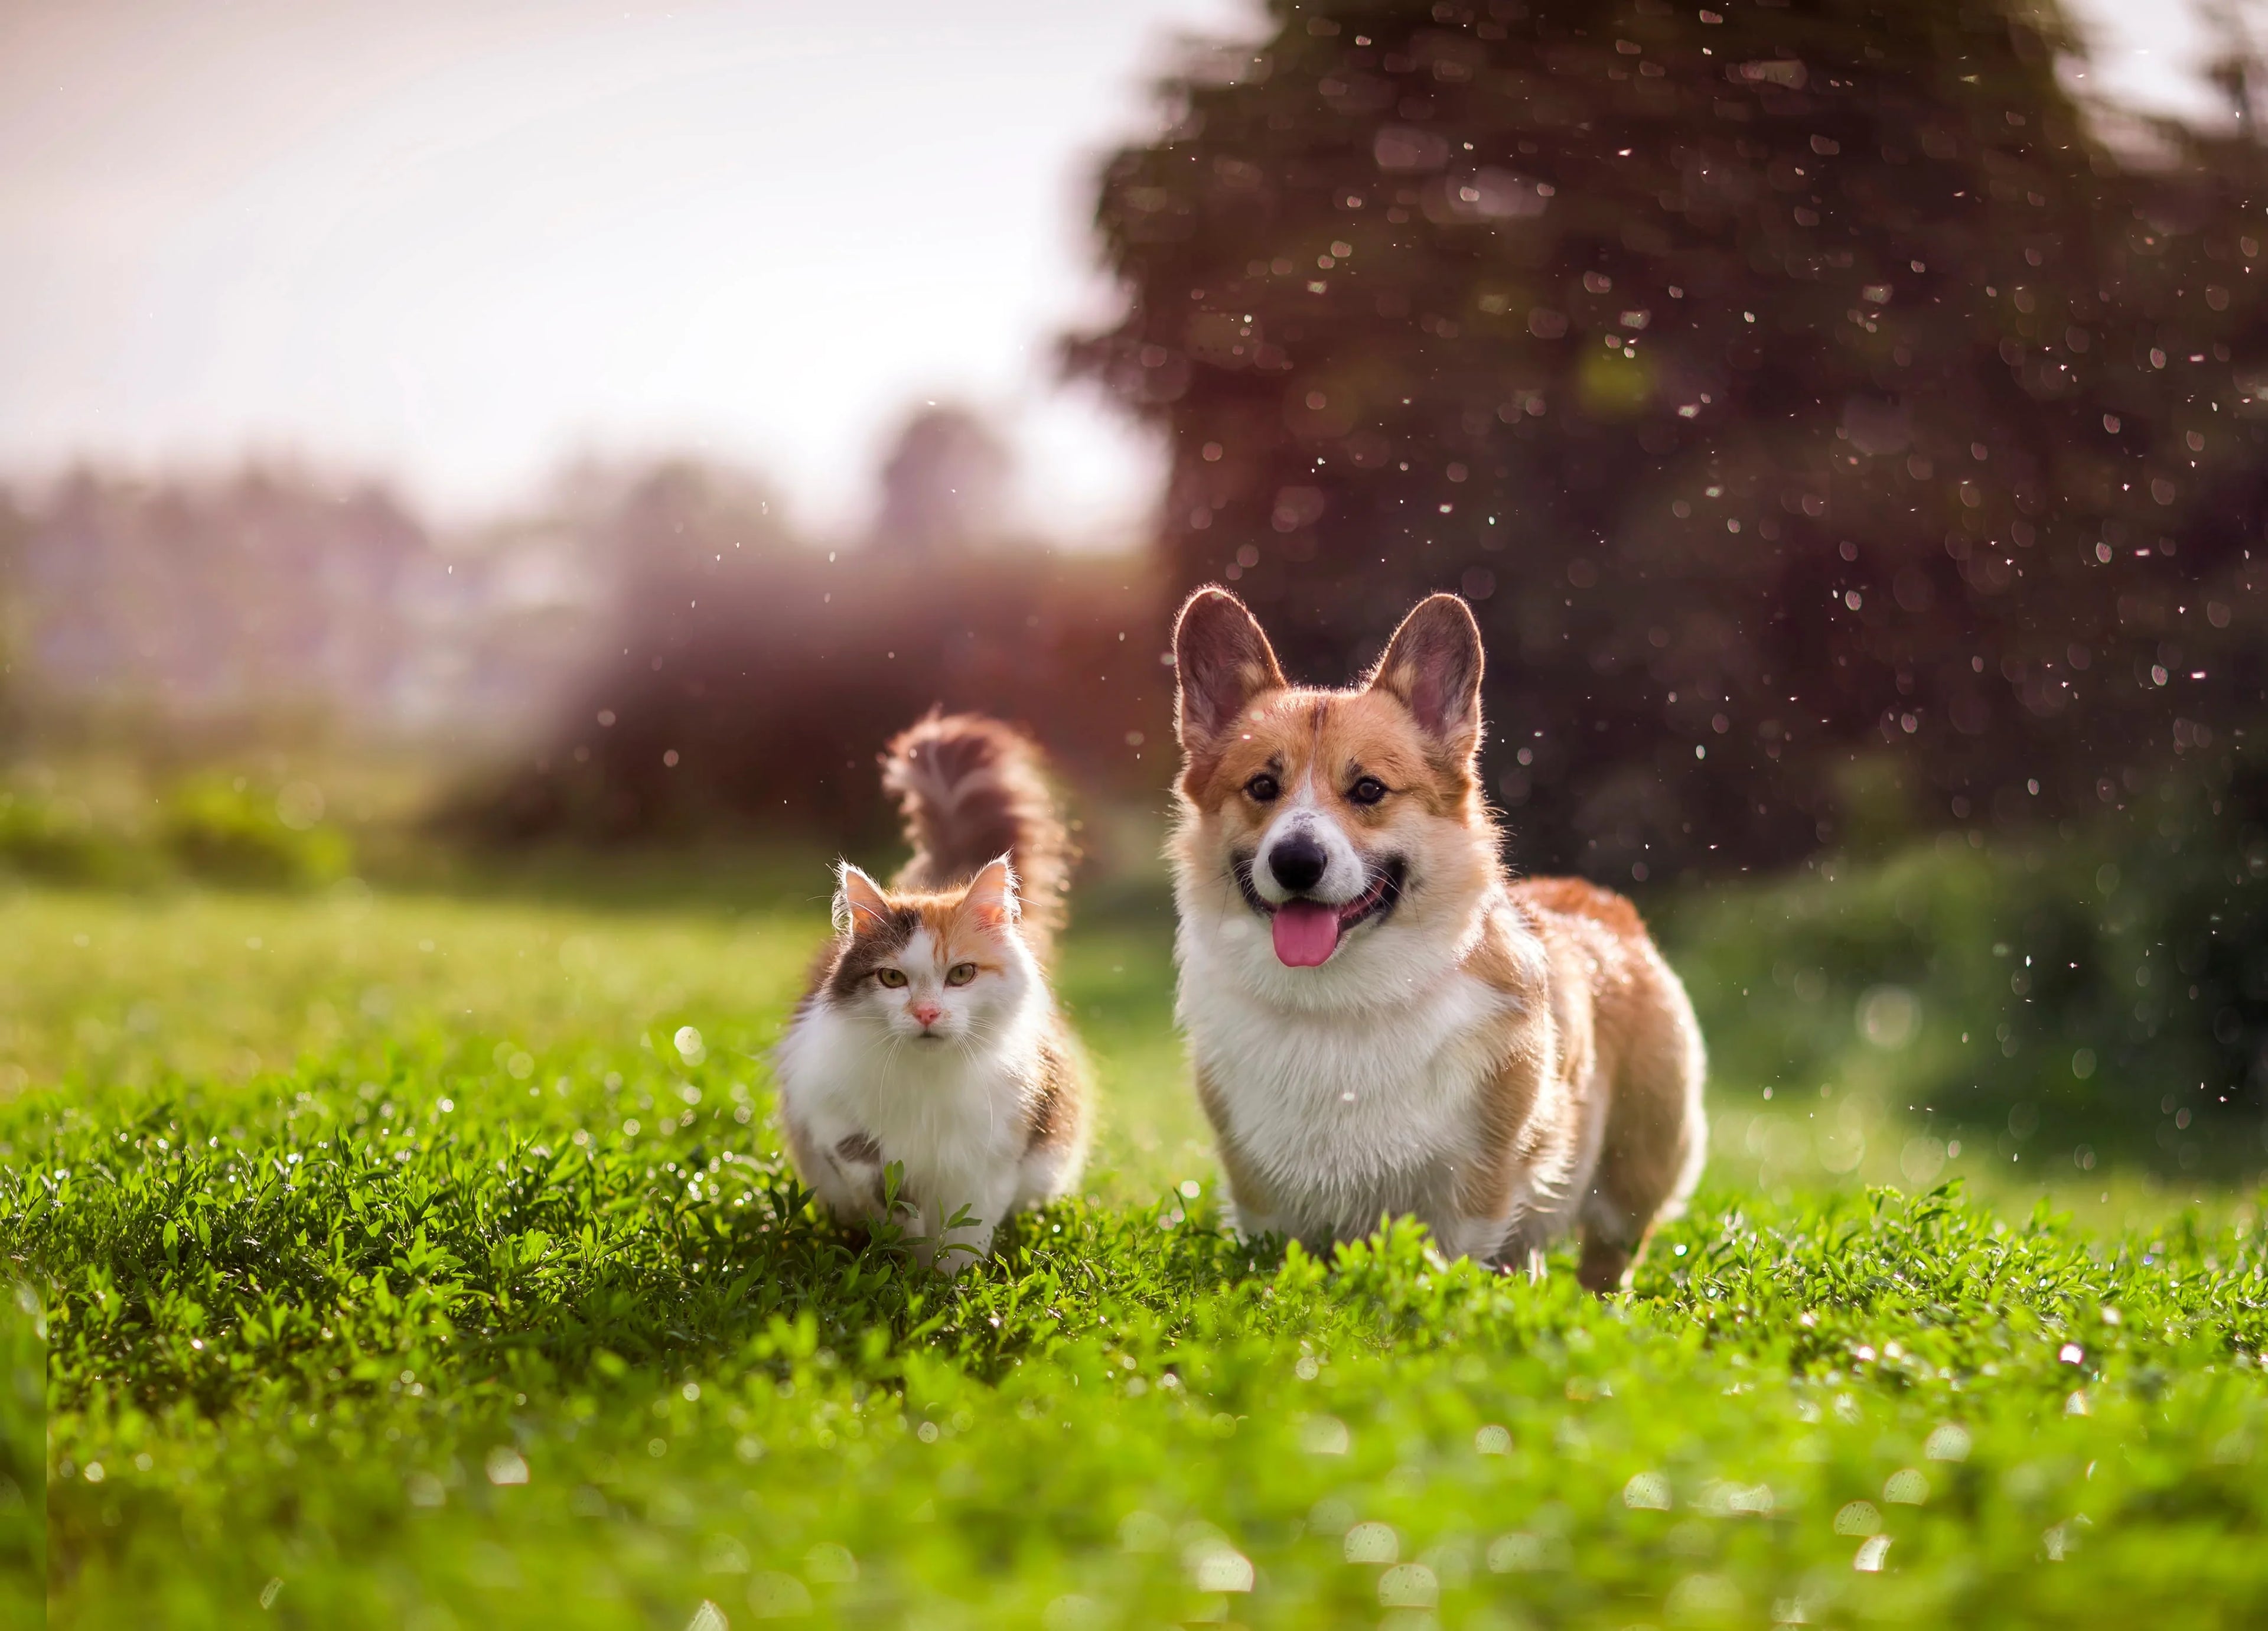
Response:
column 1829, row 428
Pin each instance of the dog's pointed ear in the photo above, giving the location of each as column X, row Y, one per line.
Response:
column 1433, row 665
column 1221, row 661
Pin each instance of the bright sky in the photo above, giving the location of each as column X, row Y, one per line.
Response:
column 458, row 241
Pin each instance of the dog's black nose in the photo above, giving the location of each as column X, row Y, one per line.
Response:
column 1298, row 862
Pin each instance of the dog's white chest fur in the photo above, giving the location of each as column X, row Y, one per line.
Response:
column 1344, row 1113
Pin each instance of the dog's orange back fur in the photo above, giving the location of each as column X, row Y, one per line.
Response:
column 1505, row 1058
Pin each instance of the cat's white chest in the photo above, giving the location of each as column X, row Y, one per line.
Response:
column 947, row 1117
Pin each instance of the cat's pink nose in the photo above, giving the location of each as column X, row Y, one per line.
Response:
column 927, row 1012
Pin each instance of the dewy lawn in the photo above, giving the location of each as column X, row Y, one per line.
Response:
column 419, row 1262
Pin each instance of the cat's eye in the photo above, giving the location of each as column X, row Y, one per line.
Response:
column 894, row 979
column 1367, row 790
column 961, row 974
column 1262, row 788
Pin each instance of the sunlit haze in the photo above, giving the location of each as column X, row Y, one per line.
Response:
column 457, row 243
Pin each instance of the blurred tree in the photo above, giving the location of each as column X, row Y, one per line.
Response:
column 1824, row 421
column 750, row 678
column 944, row 485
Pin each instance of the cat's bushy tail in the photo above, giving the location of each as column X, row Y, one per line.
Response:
column 970, row 790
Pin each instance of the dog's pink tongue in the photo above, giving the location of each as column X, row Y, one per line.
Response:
column 1307, row 933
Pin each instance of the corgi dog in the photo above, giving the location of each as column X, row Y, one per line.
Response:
column 929, row 1039
column 1381, row 1018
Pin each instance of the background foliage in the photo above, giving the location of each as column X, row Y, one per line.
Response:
column 1801, row 390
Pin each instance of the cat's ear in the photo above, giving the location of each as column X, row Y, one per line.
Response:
column 991, row 893
column 860, row 906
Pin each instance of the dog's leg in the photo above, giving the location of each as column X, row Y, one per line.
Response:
column 1655, row 1132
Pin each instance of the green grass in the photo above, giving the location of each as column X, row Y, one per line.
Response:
column 400, row 1269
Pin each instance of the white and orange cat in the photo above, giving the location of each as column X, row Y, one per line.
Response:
column 929, row 1039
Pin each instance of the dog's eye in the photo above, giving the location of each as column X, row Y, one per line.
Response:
column 1262, row 789
column 894, row 979
column 1367, row 790
column 961, row 974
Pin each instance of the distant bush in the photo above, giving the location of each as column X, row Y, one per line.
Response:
column 59, row 840
column 213, row 827
column 2108, row 986
column 232, row 832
